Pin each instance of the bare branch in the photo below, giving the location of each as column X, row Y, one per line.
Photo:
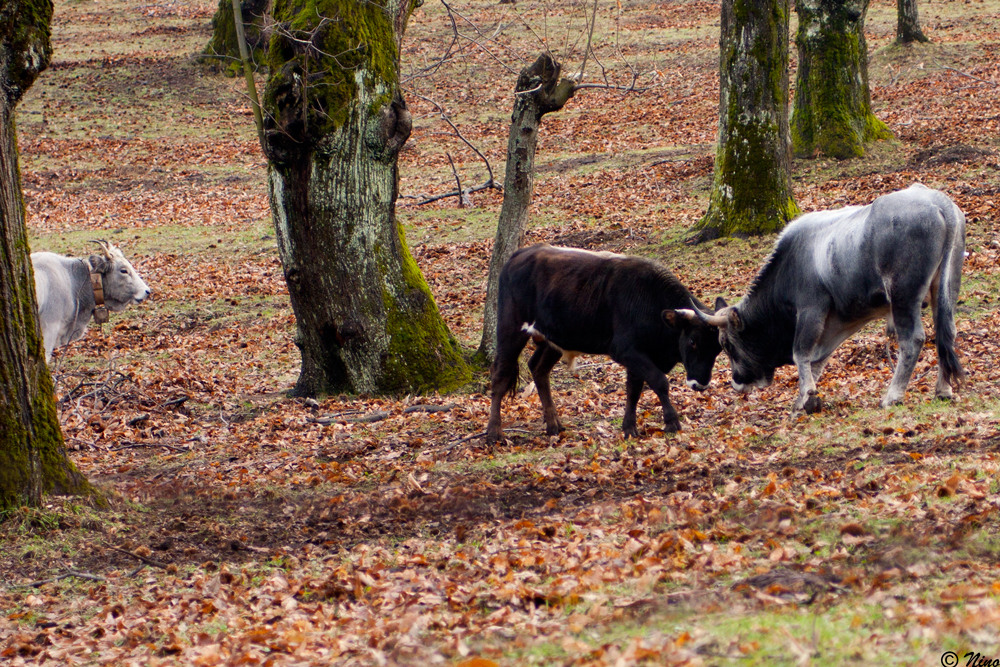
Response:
column 485, row 39
column 446, row 57
column 458, row 193
column 592, row 21
column 463, row 196
column 143, row 559
column 65, row 575
column 966, row 74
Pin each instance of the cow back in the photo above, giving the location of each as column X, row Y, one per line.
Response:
column 590, row 301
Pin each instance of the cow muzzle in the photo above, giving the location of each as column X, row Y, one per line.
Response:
column 697, row 386
column 757, row 384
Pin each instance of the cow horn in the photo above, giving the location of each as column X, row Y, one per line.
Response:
column 716, row 320
column 105, row 247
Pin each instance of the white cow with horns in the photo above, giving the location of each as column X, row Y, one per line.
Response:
column 72, row 291
column 833, row 271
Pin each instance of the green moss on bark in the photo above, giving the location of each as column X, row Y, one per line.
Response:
column 222, row 52
column 322, row 64
column 367, row 320
column 751, row 190
column 25, row 28
column 33, row 459
column 422, row 354
column 832, row 114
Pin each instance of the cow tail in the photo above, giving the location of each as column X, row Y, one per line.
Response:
column 504, row 372
column 947, row 298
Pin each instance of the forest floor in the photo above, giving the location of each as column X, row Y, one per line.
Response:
column 246, row 527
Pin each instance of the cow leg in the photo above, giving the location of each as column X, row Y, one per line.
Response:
column 540, row 365
column 641, row 368
column 910, row 336
column 942, row 389
column 808, row 331
column 817, row 368
column 633, row 390
column 503, row 377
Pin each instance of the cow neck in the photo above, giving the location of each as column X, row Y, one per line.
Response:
column 100, row 313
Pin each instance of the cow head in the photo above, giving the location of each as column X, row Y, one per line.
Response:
column 699, row 346
column 748, row 370
column 122, row 284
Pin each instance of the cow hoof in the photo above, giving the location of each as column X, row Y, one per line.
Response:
column 813, row 404
column 944, row 392
column 630, row 432
column 672, row 427
column 554, row 429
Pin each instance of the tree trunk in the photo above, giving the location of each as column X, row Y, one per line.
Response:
column 832, row 114
column 539, row 90
column 367, row 321
column 752, row 188
column 222, row 50
column 33, row 458
column 908, row 23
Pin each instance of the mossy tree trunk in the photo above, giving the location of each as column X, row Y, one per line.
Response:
column 33, row 457
column 752, row 187
column 539, row 91
column 335, row 122
column 832, row 114
column 908, row 23
column 222, row 50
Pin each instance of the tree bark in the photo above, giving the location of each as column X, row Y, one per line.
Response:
column 752, row 187
column 908, row 23
column 224, row 43
column 539, row 91
column 366, row 319
column 33, row 458
column 832, row 114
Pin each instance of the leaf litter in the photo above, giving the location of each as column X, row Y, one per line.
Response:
column 246, row 527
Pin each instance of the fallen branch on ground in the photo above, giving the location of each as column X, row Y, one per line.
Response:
column 424, row 407
column 65, row 575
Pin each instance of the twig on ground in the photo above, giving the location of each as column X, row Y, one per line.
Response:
column 966, row 74
column 66, row 575
column 333, row 419
column 180, row 400
column 368, row 419
column 455, row 443
column 424, row 407
column 455, row 193
column 466, row 439
column 463, row 196
column 138, row 445
column 143, row 559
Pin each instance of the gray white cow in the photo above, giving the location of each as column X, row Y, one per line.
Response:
column 69, row 290
column 831, row 272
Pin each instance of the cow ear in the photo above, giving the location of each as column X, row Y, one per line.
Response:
column 720, row 303
column 673, row 318
column 735, row 321
column 99, row 263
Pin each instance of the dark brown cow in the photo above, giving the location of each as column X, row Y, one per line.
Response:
column 573, row 302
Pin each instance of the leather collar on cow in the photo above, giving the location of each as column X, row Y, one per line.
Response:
column 101, row 314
